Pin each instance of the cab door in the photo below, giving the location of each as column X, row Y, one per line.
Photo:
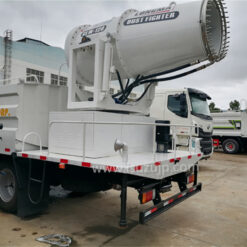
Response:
column 177, row 111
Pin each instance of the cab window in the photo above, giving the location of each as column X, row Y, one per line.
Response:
column 178, row 105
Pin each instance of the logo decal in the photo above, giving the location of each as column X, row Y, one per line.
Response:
column 233, row 124
column 152, row 18
column 93, row 31
column 4, row 112
column 170, row 8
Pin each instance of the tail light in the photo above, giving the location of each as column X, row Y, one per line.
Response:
column 147, row 196
column 190, row 179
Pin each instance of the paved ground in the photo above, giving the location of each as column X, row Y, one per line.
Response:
column 215, row 217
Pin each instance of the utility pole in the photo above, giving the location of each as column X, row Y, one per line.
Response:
column 7, row 55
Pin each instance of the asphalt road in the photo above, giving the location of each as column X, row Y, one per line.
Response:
column 217, row 216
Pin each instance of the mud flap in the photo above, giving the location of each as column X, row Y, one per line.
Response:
column 25, row 207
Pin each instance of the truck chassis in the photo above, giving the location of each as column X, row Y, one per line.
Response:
column 32, row 178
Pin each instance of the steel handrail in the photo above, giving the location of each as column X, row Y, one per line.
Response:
column 29, row 134
column 121, row 123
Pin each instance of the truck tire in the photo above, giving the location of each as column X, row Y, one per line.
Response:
column 230, row 146
column 8, row 188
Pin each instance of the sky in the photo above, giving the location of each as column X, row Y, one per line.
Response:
column 51, row 21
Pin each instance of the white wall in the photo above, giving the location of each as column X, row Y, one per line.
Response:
column 19, row 70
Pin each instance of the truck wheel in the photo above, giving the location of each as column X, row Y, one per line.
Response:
column 8, row 189
column 230, row 146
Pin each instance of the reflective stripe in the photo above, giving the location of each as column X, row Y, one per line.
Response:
column 157, row 163
column 42, row 157
column 170, row 201
column 138, row 168
column 192, row 189
column 111, row 168
column 86, row 164
column 151, row 211
column 64, row 161
column 148, row 213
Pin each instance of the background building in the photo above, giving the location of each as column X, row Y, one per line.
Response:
column 22, row 58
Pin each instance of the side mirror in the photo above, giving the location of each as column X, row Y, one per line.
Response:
column 183, row 105
column 1, row 126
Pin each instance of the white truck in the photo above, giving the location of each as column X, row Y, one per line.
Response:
column 88, row 139
column 230, row 131
column 189, row 107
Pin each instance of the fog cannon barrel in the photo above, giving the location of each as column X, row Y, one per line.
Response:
column 151, row 41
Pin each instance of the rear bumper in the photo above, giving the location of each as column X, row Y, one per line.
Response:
column 163, row 206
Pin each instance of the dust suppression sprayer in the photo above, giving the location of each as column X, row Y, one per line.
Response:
column 143, row 48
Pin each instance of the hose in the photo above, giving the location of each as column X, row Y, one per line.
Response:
column 140, row 80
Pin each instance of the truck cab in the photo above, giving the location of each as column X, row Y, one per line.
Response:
column 186, row 107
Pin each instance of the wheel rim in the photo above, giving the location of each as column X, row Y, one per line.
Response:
column 230, row 146
column 7, row 185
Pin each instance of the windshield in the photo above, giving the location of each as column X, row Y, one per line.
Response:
column 200, row 106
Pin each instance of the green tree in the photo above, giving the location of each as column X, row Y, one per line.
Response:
column 234, row 105
column 213, row 108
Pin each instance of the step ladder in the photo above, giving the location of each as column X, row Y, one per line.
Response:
column 32, row 180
